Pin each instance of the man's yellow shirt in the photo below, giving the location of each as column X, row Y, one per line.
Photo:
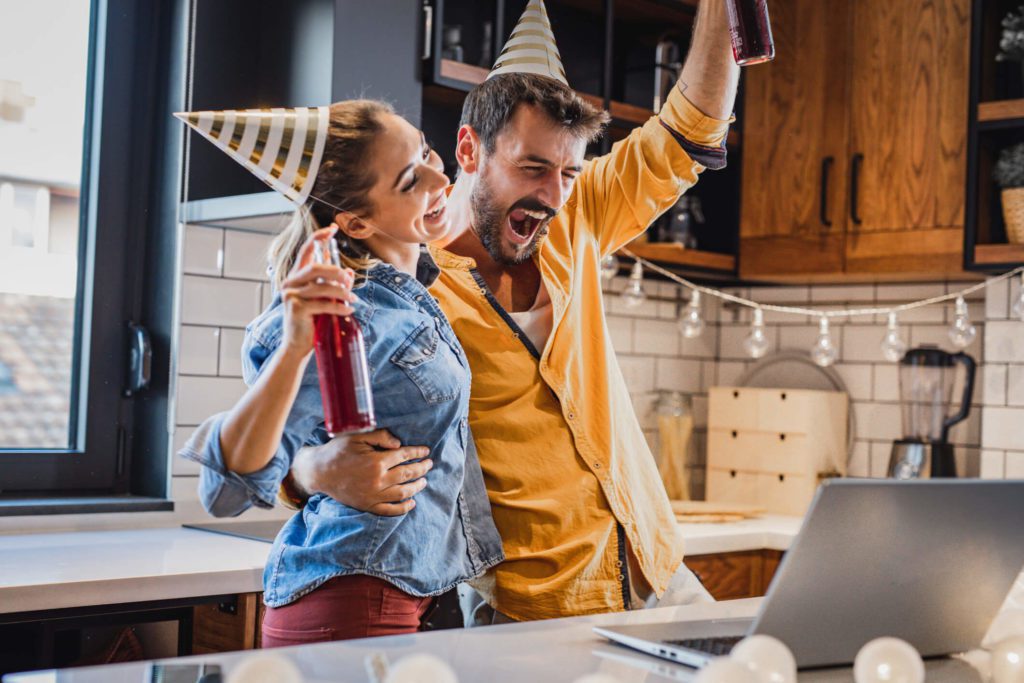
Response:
column 568, row 471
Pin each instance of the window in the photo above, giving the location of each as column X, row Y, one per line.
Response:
column 88, row 180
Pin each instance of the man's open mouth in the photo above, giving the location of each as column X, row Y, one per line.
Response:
column 523, row 224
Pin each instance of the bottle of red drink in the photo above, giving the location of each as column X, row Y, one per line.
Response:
column 750, row 30
column 341, row 365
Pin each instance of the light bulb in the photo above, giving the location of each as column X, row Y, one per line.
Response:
column 888, row 660
column 1018, row 303
column 893, row 346
column 726, row 670
column 962, row 332
column 609, row 267
column 756, row 345
column 421, row 668
column 824, row 352
column 691, row 324
column 767, row 657
column 1008, row 661
column 266, row 667
column 633, row 295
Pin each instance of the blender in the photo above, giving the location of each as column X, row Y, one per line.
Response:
column 927, row 377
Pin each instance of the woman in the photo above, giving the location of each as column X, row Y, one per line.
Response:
column 335, row 572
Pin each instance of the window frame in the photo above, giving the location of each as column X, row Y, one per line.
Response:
column 131, row 179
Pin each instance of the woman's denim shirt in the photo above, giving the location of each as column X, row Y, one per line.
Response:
column 420, row 379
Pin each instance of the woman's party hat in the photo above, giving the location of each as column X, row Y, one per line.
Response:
column 282, row 147
column 531, row 48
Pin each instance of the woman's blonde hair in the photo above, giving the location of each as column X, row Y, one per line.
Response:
column 343, row 183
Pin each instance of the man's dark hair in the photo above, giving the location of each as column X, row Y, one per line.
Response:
column 490, row 106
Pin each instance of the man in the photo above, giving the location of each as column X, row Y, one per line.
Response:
column 575, row 493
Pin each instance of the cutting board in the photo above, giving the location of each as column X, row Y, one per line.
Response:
column 707, row 512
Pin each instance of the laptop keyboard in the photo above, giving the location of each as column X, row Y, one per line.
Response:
column 714, row 646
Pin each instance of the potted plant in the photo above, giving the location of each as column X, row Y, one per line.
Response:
column 1011, row 44
column 1009, row 175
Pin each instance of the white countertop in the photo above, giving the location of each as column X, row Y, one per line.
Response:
column 560, row 650
column 76, row 569
column 60, row 570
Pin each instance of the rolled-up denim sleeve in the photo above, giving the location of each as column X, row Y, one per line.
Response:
column 222, row 492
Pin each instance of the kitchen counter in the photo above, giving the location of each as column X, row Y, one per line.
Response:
column 560, row 650
column 65, row 570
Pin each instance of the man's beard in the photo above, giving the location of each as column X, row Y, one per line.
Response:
column 489, row 223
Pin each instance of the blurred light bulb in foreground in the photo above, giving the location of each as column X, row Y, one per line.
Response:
column 609, row 267
column 726, row 670
column 1008, row 661
column 825, row 351
column 888, row 660
column 421, row 668
column 691, row 324
column 962, row 332
column 265, row 667
column 893, row 346
column 767, row 657
column 756, row 345
column 633, row 295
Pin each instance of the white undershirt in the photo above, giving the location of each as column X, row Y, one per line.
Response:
column 536, row 323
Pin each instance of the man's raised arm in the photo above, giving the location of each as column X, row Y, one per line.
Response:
column 710, row 74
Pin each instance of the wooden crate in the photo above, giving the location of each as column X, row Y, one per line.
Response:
column 770, row 447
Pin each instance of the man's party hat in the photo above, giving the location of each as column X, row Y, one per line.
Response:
column 531, row 48
column 282, row 147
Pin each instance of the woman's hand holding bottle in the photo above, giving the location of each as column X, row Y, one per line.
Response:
column 313, row 289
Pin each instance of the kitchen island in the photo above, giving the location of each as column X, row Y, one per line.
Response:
column 555, row 651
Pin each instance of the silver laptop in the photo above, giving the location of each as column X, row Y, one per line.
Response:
column 930, row 562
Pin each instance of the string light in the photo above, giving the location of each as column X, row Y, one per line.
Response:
column 893, row 346
column 609, row 267
column 825, row 351
column 1018, row 303
column 634, row 295
column 756, row 345
column 962, row 333
column 691, row 324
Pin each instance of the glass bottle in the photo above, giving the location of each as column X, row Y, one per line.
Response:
column 751, row 31
column 675, row 432
column 341, row 365
column 451, row 43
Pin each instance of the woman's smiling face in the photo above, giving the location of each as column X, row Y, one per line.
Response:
column 409, row 195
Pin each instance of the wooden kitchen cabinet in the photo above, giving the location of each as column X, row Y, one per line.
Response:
column 855, row 145
column 227, row 626
column 731, row 576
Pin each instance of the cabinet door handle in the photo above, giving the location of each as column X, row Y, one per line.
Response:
column 826, row 166
column 428, row 29
column 858, row 160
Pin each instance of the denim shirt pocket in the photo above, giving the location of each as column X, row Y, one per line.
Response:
column 418, row 359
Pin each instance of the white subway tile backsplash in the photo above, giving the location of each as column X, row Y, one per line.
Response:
column 203, row 250
column 638, row 371
column 231, row 352
column 863, row 343
column 887, row 382
column 902, row 293
column 197, row 350
column 266, row 296
column 200, row 397
column 881, row 452
column 781, row 295
column 215, row 301
column 1014, row 465
column 1002, row 428
column 859, row 463
column 1015, row 388
column 993, row 379
column 704, row 347
column 621, row 331
column 678, row 375
column 245, row 254
column 878, row 421
column 656, row 337
column 968, row 432
column 997, row 300
column 700, row 412
column 729, row 373
column 993, row 464
column 1004, row 342
column 858, row 380
column 732, row 337
column 843, row 294
column 801, row 337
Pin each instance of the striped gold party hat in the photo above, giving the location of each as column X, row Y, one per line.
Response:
column 282, row 147
column 531, row 48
